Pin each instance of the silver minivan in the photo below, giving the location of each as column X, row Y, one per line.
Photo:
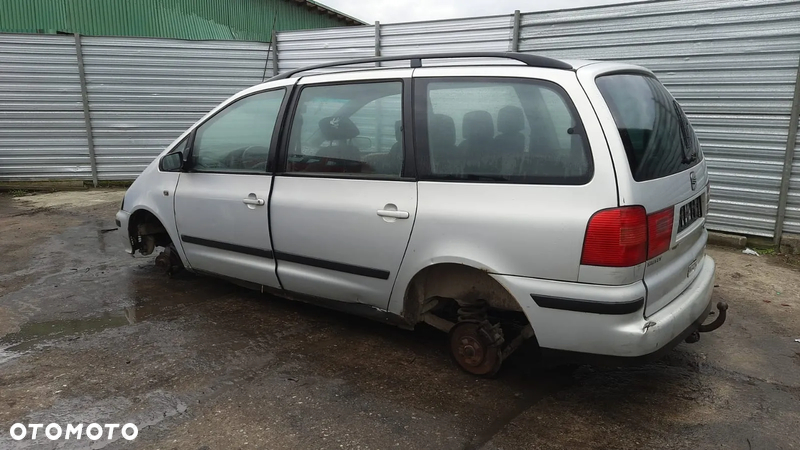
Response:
column 558, row 201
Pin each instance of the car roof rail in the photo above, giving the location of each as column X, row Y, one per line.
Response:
column 415, row 61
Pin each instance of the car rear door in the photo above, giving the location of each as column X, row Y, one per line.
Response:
column 344, row 204
column 221, row 201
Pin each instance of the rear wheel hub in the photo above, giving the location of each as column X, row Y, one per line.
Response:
column 473, row 350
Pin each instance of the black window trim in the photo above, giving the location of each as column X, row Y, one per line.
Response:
column 187, row 157
column 409, row 170
column 421, row 128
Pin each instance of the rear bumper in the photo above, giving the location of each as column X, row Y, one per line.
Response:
column 609, row 320
column 123, row 217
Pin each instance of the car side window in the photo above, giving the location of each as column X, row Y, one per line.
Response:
column 504, row 130
column 353, row 129
column 237, row 139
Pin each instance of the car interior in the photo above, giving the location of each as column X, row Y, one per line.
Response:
column 530, row 142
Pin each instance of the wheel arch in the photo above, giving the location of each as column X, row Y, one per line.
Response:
column 454, row 280
column 143, row 221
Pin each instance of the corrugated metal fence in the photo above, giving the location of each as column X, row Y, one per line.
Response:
column 302, row 48
column 141, row 94
column 732, row 64
column 42, row 129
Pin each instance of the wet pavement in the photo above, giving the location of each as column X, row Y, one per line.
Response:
column 89, row 334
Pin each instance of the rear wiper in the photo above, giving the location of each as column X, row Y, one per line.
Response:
column 685, row 136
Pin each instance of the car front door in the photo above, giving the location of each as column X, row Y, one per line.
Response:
column 343, row 208
column 221, row 200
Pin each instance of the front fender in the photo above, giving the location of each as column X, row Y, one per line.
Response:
column 154, row 192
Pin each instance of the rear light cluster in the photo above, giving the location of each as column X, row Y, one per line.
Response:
column 626, row 236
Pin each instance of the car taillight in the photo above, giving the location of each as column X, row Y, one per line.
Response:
column 616, row 238
column 659, row 232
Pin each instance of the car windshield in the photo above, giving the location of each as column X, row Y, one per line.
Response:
column 656, row 134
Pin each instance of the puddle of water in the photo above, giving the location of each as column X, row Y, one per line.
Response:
column 32, row 334
column 8, row 356
column 35, row 334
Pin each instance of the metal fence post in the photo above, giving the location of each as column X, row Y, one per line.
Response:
column 87, row 118
column 515, row 32
column 377, row 42
column 788, row 159
column 274, row 53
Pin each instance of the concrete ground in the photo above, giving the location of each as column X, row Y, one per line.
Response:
column 89, row 334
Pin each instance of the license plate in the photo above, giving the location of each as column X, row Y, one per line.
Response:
column 690, row 212
column 692, row 266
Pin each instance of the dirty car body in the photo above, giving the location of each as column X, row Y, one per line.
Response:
column 564, row 201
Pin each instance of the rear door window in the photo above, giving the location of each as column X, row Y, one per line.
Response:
column 656, row 134
column 348, row 129
column 506, row 130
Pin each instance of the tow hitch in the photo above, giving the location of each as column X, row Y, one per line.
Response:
column 722, row 307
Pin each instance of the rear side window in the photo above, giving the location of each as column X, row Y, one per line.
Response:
column 507, row 130
column 656, row 134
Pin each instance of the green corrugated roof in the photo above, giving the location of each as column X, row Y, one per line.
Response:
column 247, row 20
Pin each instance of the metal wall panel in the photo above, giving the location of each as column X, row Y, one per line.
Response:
column 491, row 34
column 791, row 223
column 42, row 133
column 143, row 93
column 731, row 64
column 298, row 49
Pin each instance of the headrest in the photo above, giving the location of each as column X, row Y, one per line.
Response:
column 338, row 128
column 510, row 120
column 441, row 130
column 478, row 125
column 398, row 130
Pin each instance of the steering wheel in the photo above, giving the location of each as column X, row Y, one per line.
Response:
column 206, row 162
column 261, row 164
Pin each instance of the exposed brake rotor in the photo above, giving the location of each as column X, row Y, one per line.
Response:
column 475, row 348
column 169, row 260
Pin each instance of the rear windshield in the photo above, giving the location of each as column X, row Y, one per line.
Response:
column 656, row 133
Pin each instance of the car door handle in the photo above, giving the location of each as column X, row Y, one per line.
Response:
column 253, row 201
column 393, row 214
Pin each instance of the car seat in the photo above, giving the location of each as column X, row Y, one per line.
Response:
column 339, row 131
column 446, row 157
